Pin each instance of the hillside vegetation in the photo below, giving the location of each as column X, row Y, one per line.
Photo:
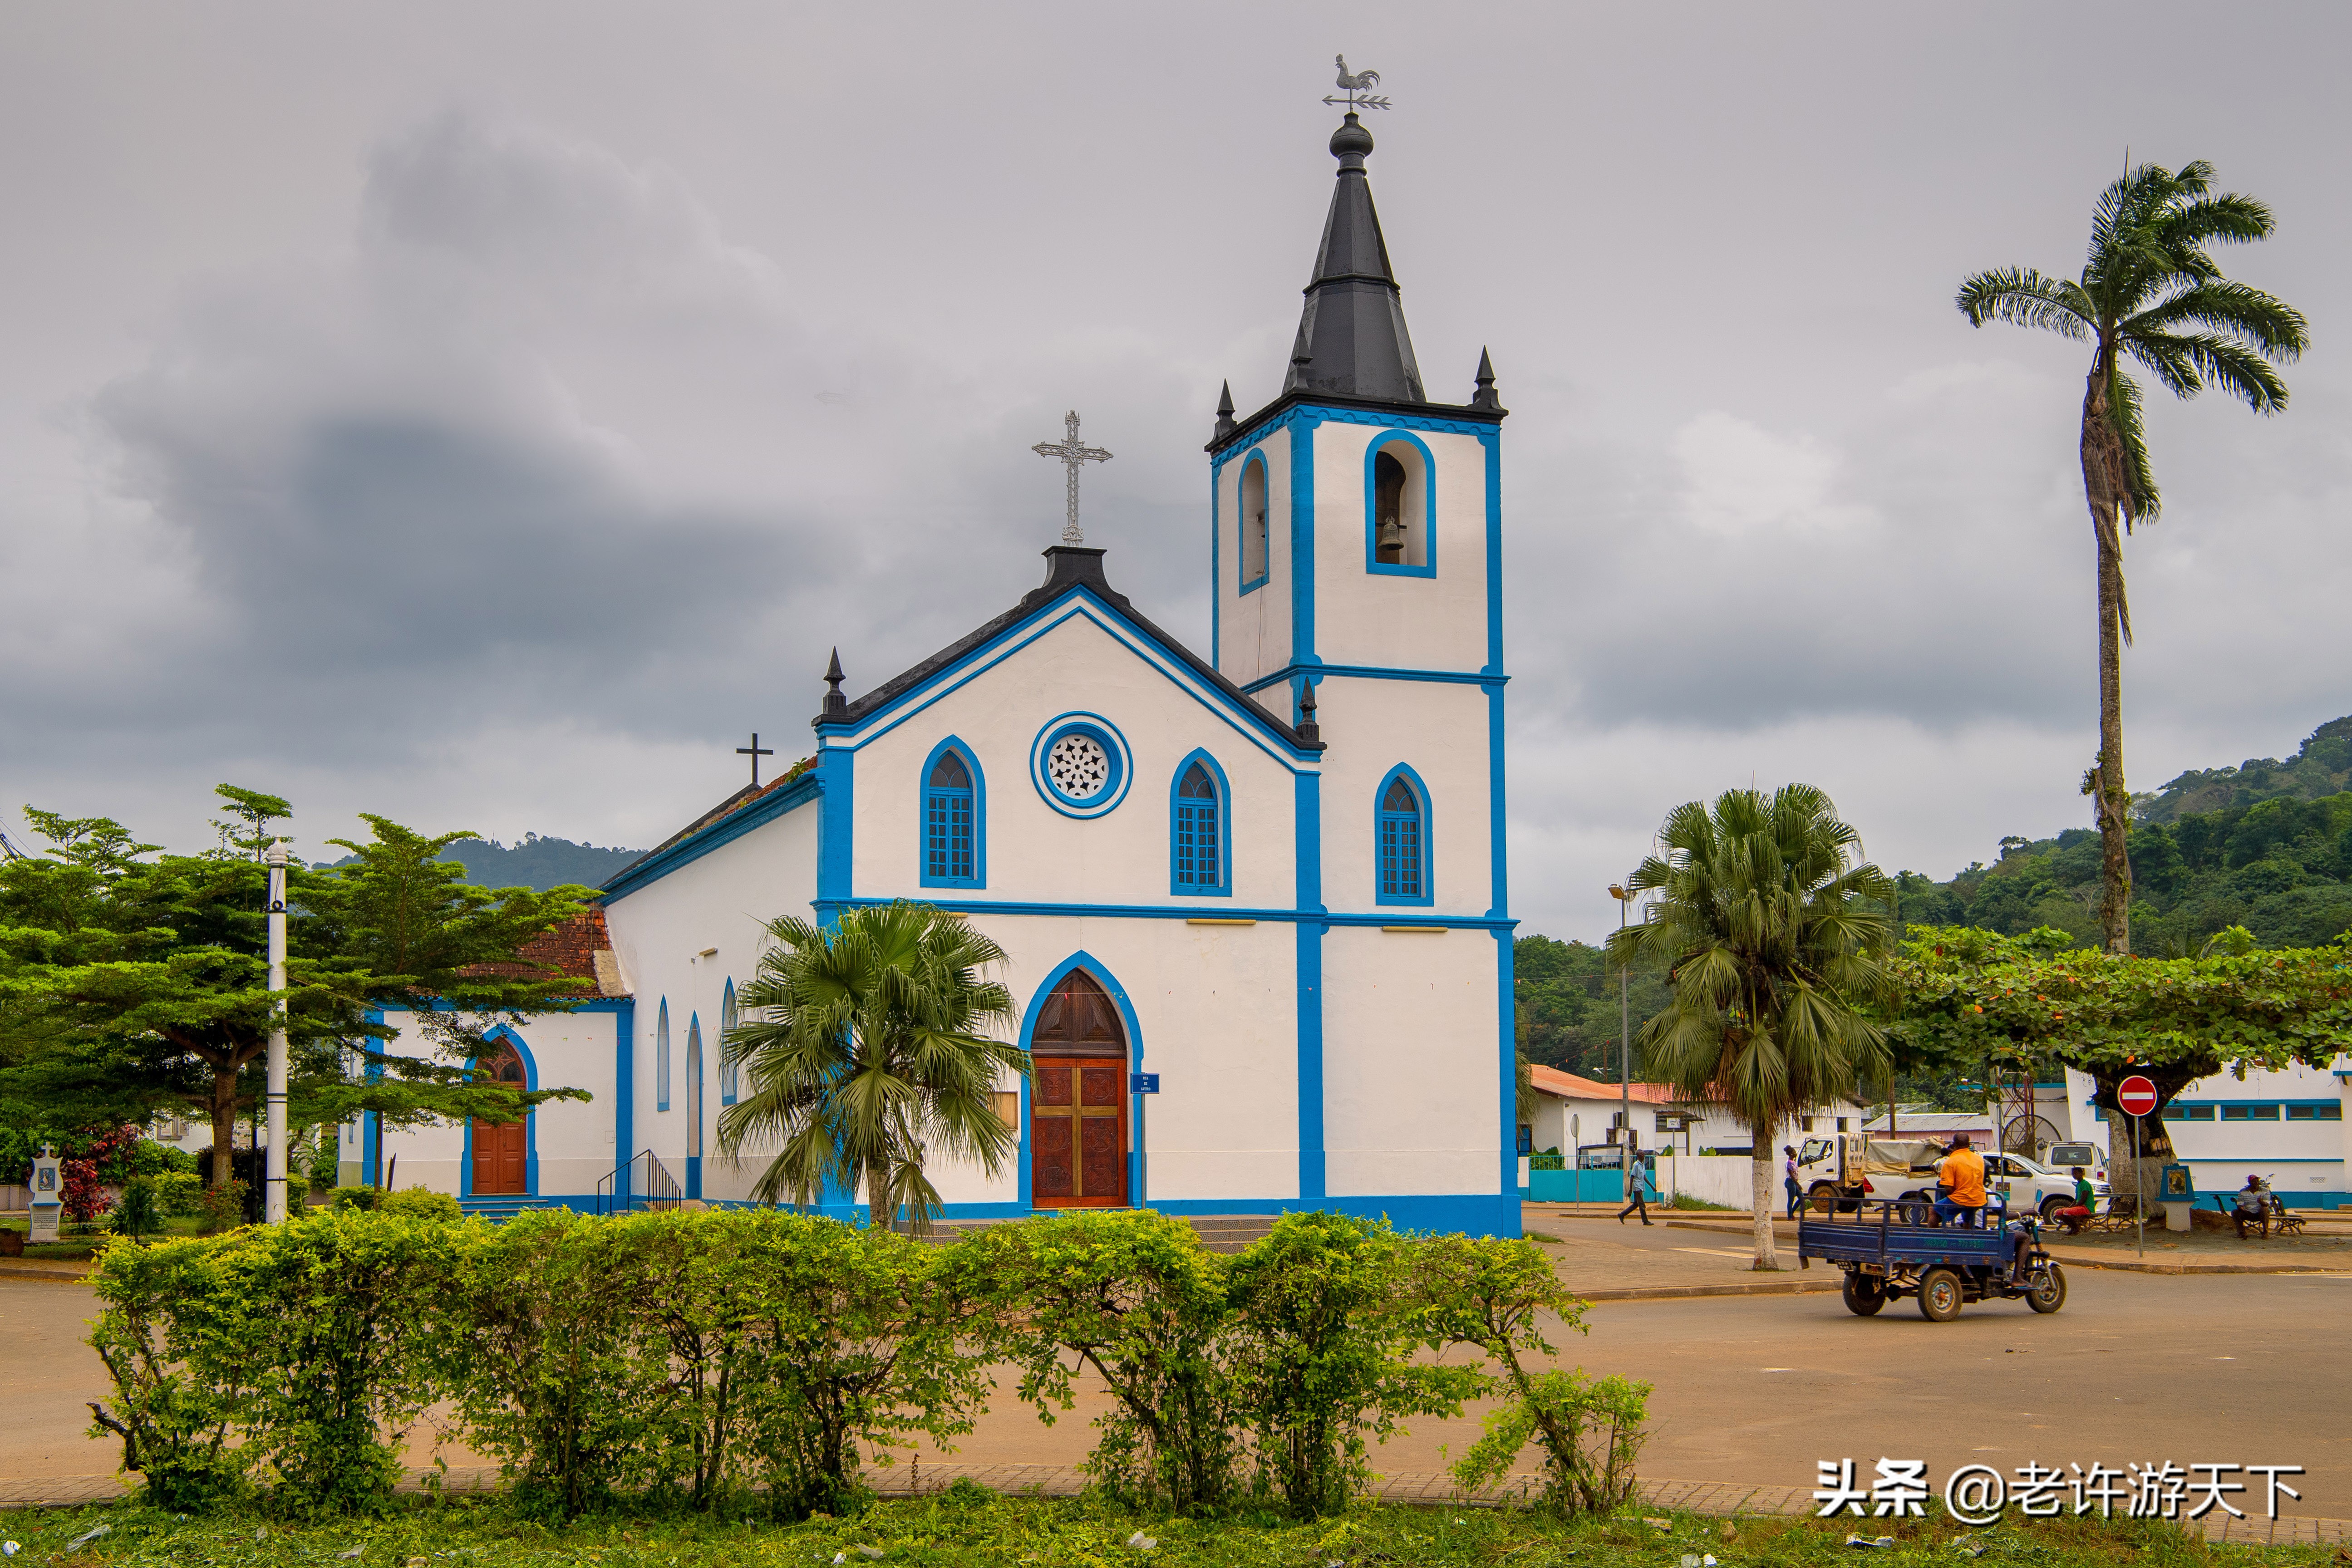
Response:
column 2266, row 844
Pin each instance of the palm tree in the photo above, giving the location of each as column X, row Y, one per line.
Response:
column 2149, row 292
column 1770, row 936
column 866, row 1050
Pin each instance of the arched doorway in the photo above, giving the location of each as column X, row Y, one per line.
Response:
column 502, row 1149
column 1077, row 1106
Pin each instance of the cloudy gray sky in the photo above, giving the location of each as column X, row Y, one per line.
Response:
column 488, row 415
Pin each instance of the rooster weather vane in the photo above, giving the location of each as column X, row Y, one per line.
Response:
column 1354, row 83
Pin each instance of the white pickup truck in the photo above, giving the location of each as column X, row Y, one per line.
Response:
column 2026, row 1184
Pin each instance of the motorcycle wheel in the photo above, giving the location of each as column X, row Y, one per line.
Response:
column 2048, row 1291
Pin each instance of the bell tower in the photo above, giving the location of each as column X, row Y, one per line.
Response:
column 1356, row 523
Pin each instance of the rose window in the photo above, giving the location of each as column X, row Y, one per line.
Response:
column 1078, row 766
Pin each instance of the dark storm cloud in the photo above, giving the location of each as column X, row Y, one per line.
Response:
column 506, row 465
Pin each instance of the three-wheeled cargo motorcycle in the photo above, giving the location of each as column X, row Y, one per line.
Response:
column 1888, row 1255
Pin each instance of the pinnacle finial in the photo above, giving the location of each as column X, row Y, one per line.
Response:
column 1308, row 730
column 1485, row 397
column 1225, row 412
column 835, row 704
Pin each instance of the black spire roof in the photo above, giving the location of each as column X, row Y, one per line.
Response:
column 1352, row 340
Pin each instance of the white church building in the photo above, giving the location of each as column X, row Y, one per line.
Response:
column 1271, row 876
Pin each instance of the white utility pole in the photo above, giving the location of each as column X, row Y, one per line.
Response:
column 273, row 1210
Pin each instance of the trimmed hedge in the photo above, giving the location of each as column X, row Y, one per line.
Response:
column 753, row 1361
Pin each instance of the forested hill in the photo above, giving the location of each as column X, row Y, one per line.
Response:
column 2321, row 766
column 534, row 862
column 2266, row 844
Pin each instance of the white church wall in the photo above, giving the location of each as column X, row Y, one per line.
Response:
column 1394, row 621
column 1254, row 629
column 1440, row 730
column 1412, row 1066
column 1034, row 852
column 660, row 933
column 570, row 1141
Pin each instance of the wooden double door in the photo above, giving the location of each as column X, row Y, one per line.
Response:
column 502, row 1149
column 1077, row 1100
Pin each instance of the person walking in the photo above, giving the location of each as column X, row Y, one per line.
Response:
column 1789, row 1179
column 1633, row 1197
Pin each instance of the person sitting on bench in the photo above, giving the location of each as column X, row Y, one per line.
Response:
column 2253, row 1207
column 2087, row 1203
column 1961, row 1173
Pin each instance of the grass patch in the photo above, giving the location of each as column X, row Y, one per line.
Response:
column 972, row 1528
column 1685, row 1201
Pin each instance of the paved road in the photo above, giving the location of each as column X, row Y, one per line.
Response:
column 2245, row 1370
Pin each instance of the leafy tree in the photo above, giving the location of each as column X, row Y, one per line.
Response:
column 131, row 985
column 1997, row 999
column 864, row 1049
column 2149, row 292
column 1767, row 929
column 1565, row 994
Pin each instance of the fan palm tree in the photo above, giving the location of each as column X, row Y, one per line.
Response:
column 866, row 1050
column 1771, row 935
column 2149, row 294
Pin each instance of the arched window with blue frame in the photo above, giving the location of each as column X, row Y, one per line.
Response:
column 661, row 1056
column 1256, row 544
column 1401, row 847
column 729, row 1072
column 955, row 818
column 1199, row 829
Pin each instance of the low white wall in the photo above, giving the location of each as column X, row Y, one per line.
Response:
column 1727, row 1179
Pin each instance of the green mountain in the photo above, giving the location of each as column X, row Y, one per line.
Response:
column 2266, row 844
column 533, row 862
column 2321, row 766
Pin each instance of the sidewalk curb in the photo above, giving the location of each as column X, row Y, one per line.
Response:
column 71, row 1274
column 1745, row 1287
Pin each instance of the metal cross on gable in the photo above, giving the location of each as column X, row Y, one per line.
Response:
column 755, row 752
column 1353, row 84
column 1072, row 453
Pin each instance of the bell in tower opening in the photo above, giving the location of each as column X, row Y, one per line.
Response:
column 1388, row 510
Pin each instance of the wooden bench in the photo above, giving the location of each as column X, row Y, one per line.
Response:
column 2276, row 1219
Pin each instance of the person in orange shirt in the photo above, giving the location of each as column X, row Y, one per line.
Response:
column 1961, row 1174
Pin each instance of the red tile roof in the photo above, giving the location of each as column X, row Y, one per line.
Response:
column 580, row 949
column 1567, row 1086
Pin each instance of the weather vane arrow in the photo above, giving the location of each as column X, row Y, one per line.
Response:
column 1354, row 83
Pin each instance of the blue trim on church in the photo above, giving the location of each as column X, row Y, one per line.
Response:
column 1306, row 811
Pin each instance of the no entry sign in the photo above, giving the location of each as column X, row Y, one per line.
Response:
column 2137, row 1095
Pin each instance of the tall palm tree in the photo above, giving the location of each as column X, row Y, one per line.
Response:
column 2150, row 293
column 1770, row 934
column 866, row 1050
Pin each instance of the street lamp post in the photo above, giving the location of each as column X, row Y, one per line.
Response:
column 273, row 1210
column 1625, row 1047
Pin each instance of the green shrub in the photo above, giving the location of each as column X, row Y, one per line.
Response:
column 339, row 1314
column 1491, row 1292
column 138, row 1214
column 179, row 1390
column 421, row 1203
column 324, row 1166
column 180, row 1193
column 347, row 1200
column 281, row 1353
column 724, row 1356
column 1135, row 1298
column 1321, row 1333
column 224, row 1205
